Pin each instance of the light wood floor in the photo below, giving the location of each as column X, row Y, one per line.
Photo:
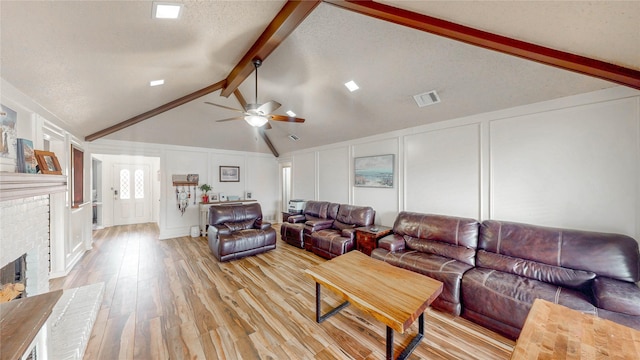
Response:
column 171, row 299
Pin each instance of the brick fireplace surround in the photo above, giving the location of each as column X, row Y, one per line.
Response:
column 24, row 229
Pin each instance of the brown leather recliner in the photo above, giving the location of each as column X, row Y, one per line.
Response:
column 237, row 231
column 317, row 215
column 339, row 238
column 441, row 247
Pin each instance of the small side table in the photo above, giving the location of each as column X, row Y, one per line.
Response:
column 367, row 237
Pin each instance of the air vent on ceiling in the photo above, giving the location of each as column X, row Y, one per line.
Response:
column 426, row 99
column 294, row 137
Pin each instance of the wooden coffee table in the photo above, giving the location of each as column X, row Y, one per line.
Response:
column 394, row 296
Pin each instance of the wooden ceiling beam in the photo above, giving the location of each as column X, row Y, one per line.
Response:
column 157, row 111
column 290, row 16
column 564, row 60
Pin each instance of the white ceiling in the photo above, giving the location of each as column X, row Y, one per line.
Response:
column 90, row 63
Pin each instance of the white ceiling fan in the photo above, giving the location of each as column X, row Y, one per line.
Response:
column 257, row 114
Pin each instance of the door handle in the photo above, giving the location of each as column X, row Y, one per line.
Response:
column 115, row 194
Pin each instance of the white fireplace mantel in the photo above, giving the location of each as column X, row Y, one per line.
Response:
column 18, row 185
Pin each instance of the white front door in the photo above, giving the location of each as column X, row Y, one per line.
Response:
column 132, row 194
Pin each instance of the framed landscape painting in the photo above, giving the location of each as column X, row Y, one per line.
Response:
column 374, row 171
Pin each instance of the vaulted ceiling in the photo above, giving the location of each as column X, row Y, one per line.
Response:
column 90, row 62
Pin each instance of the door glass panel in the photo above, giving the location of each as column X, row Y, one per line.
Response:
column 125, row 193
column 139, row 183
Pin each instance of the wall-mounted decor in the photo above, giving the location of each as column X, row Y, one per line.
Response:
column 374, row 171
column 229, row 173
column 48, row 162
column 183, row 195
column 8, row 119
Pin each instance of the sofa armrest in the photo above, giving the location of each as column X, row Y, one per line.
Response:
column 296, row 218
column 315, row 225
column 392, row 243
column 265, row 225
column 616, row 295
column 349, row 233
column 220, row 229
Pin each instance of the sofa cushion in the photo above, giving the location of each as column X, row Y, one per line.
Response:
column 556, row 275
column 441, row 268
column 448, row 229
column 618, row 296
column 315, row 209
column 233, row 213
column 315, row 225
column 240, row 225
column 426, row 231
column 355, row 215
column 508, row 298
column 329, row 243
column 341, row 226
column 460, row 253
column 611, row 255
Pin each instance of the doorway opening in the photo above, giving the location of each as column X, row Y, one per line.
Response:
column 285, row 176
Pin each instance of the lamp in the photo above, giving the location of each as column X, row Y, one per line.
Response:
column 256, row 120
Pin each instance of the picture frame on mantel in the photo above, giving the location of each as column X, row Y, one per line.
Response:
column 229, row 173
column 48, row 162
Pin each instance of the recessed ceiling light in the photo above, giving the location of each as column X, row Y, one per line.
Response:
column 165, row 10
column 291, row 113
column 156, row 82
column 352, row 86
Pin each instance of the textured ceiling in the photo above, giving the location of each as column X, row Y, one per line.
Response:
column 89, row 63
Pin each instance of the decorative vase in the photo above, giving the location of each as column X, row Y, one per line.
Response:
column 205, row 198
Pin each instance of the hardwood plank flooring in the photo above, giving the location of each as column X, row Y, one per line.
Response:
column 171, row 299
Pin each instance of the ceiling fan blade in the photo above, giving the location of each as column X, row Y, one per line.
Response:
column 224, row 107
column 268, row 107
column 229, row 119
column 286, row 118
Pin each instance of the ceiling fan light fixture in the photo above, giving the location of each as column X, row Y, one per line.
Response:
column 256, row 120
column 166, row 10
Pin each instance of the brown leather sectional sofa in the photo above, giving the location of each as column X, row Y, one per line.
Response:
column 494, row 279
column 237, row 231
column 327, row 229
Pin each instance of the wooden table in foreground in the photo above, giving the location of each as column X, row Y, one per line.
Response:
column 21, row 320
column 554, row 331
column 394, row 296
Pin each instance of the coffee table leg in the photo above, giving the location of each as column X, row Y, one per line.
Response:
column 321, row 318
column 412, row 345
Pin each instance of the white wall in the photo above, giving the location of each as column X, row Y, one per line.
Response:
column 572, row 162
column 258, row 174
column 70, row 229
